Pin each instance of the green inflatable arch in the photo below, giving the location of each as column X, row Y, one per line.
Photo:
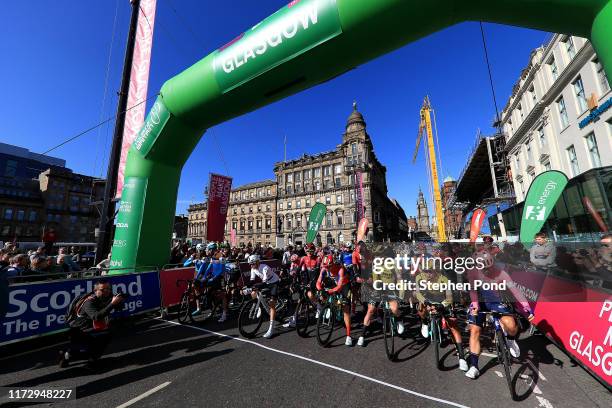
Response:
column 304, row 44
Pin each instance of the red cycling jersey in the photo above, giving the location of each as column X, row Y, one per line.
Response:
column 337, row 273
column 309, row 263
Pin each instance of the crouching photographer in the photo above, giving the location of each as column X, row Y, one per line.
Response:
column 88, row 318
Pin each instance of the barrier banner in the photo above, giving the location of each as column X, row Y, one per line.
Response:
column 478, row 217
column 528, row 282
column 170, row 292
column 218, row 201
column 39, row 308
column 541, row 198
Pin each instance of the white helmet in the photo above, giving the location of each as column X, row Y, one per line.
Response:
column 253, row 258
column 200, row 247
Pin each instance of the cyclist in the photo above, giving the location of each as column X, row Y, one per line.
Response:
column 445, row 298
column 269, row 280
column 490, row 300
column 374, row 295
column 309, row 269
column 333, row 278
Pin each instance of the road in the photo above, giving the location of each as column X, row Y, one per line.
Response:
column 160, row 363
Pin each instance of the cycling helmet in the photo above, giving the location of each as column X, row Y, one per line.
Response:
column 310, row 248
column 328, row 260
column 211, row 246
column 294, row 258
column 253, row 259
column 348, row 245
column 200, row 247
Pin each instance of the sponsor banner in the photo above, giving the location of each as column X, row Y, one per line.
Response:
column 362, row 229
column 171, row 292
column 315, row 220
column 595, row 114
column 541, row 198
column 583, row 329
column 478, row 217
column 359, row 196
column 218, row 201
column 156, row 120
column 37, row 309
column 291, row 31
column 528, row 282
column 139, row 82
column 233, row 237
column 128, row 222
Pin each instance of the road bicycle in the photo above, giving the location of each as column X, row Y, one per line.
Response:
column 498, row 336
column 330, row 313
column 208, row 304
column 254, row 310
column 389, row 329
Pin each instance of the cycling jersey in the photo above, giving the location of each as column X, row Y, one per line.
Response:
column 433, row 296
column 336, row 273
column 347, row 258
column 309, row 263
column 265, row 273
column 213, row 271
column 495, row 274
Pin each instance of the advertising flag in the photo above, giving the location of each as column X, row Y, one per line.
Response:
column 478, row 217
column 541, row 198
column 315, row 220
column 233, row 237
column 218, row 202
column 362, row 229
column 139, row 83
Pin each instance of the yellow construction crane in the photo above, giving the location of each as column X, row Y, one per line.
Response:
column 425, row 125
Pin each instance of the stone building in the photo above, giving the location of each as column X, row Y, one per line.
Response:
column 275, row 212
column 330, row 177
column 452, row 216
column 252, row 213
column 422, row 214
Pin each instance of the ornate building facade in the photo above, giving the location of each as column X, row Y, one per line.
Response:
column 280, row 214
column 422, row 214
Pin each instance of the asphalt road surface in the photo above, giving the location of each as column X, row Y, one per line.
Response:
column 160, row 363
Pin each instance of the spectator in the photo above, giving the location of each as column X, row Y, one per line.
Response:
column 49, row 238
column 287, row 256
column 40, row 251
column 565, row 261
column 18, row 266
column 39, row 265
column 61, row 266
column 76, row 255
column 542, row 253
column 89, row 326
column 105, row 263
column 68, row 260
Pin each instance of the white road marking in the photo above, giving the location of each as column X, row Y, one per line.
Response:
column 144, row 395
column 544, row 402
column 499, row 374
column 536, row 370
column 536, row 389
column 333, row 367
column 488, row 355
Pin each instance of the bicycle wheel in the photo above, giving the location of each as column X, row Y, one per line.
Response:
column 389, row 333
column 325, row 325
column 185, row 309
column 302, row 317
column 503, row 356
column 435, row 339
column 250, row 319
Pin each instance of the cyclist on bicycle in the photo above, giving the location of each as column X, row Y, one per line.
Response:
column 333, row 278
column 374, row 295
column 200, row 261
column 490, row 300
column 445, row 298
column 269, row 280
column 309, row 270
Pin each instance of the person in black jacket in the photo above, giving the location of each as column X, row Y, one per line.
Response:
column 89, row 330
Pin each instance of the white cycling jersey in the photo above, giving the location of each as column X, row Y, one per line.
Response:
column 265, row 273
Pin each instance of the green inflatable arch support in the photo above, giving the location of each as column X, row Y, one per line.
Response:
column 304, row 44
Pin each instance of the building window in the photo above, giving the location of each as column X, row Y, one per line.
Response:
column 20, row 215
column 11, row 168
column 6, row 230
column 289, row 178
column 338, row 182
column 339, row 199
column 235, row 211
column 33, row 216
column 534, row 97
column 297, row 176
column 289, row 205
column 570, row 47
column 554, row 71
column 280, row 205
column 250, row 225
column 593, row 149
column 258, row 223
column 328, row 200
column 241, row 225
column 317, row 185
column 604, row 84
column 307, row 202
column 250, row 210
column 580, row 96
column 289, row 221
column 329, row 219
column 298, row 220
column 325, row 184
column 259, row 208
column 267, row 207
column 289, row 189
column 234, row 225
column 529, row 152
column 326, row 171
column 518, row 162
column 268, row 223
column 298, row 204
column 339, row 218
column 573, row 160
column 338, row 169
column 377, row 217
column 542, row 136
column 520, row 111
column 317, row 172
column 547, row 165
column 522, row 187
column 8, row 214
column 269, row 191
column 562, row 112
column 307, row 174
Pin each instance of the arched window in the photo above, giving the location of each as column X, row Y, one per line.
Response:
column 329, row 239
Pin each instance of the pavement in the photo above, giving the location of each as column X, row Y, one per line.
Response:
column 154, row 362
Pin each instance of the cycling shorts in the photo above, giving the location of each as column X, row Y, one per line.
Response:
column 272, row 286
column 484, row 307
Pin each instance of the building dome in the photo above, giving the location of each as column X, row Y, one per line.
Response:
column 355, row 121
column 449, row 179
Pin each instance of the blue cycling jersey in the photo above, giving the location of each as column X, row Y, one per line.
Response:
column 347, row 258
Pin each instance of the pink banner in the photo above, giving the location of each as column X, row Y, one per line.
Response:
column 477, row 218
column 139, row 83
column 218, row 202
column 233, row 238
column 359, row 195
column 362, row 229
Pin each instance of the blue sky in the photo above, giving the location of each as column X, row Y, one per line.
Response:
column 55, row 57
